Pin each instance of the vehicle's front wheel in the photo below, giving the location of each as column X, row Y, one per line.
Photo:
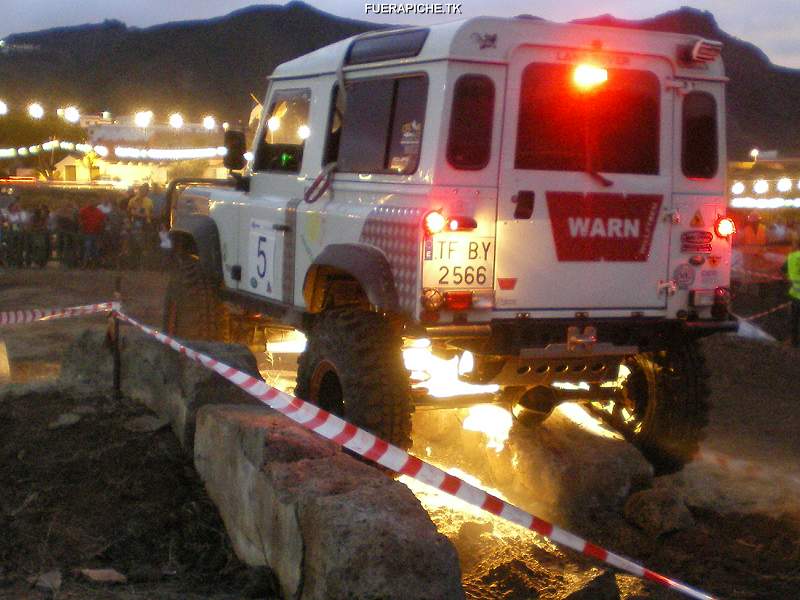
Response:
column 664, row 405
column 192, row 307
column 353, row 367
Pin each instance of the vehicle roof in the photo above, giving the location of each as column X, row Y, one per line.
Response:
column 461, row 40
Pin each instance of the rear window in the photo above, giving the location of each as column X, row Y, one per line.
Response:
column 381, row 130
column 612, row 128
column 699, row 153
column 470, row 140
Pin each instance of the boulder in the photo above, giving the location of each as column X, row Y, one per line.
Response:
column 658, row 510
column 49, row 582
column 564, row 470
column 602, row 587
column 168, row 383
column 575, row 470
column 328, row 525
column 64, row 420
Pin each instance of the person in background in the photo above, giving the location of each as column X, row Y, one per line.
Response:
column 165, row 245
column 18, row 225
column 140, row 211
column 67, row 235
column 140, row 207
column 38, row 248
column 112, row 235
column 792, row 269
column 92, row 221
column 106, row 206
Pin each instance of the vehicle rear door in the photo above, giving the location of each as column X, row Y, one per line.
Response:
column 585, row 183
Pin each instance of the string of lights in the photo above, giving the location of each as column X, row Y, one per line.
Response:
column 120, row 152
column 143, row 118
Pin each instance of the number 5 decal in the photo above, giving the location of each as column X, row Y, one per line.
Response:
column 261, row 264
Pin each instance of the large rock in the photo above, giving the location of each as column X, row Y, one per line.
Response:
column 328, row 525
column 564, row 470
column 168, row 383
column 658, row 510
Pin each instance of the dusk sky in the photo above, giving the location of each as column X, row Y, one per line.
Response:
column 773, row 25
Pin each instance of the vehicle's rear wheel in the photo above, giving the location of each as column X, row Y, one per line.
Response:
column 353, row 367
column 664, row 405
column 192, row 307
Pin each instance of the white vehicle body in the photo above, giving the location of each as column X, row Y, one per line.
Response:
column 544, row 202
column 557, row 262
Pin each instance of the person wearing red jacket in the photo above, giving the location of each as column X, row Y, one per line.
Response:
column 92, row 222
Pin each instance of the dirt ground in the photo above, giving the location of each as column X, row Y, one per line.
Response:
column 94, row 494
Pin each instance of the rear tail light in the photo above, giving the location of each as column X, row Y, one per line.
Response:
column 458, row 300
column 725, row 227
column 462, row 224
column 434, row 222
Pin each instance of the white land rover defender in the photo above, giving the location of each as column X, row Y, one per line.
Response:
column 536, row 210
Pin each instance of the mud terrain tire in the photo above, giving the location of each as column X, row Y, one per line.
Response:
column 192, row 307
column 670, row 394
column 353, row 367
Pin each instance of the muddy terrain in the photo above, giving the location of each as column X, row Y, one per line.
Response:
column 98, row 492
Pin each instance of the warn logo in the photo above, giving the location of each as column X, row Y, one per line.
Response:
column 603, row 227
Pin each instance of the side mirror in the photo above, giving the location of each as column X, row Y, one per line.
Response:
column 236, row 146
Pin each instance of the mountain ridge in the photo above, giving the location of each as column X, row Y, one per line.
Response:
column 213, row 65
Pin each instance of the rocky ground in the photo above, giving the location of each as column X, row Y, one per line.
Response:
column 98, row 492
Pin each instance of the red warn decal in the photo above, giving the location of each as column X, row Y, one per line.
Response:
column 595, row 227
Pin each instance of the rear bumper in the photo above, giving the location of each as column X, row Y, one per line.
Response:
column 509, row 336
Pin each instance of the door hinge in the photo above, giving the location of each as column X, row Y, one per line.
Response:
column 236, row 272
column 673, row 215
column 668, row 287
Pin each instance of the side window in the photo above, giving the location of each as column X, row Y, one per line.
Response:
column 469, row 143
column 381, row 129
column 285, row 132
column 699, row 150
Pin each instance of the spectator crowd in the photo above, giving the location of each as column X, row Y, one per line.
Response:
column 125, row 233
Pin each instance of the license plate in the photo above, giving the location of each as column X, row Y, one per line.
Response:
column 456, row 261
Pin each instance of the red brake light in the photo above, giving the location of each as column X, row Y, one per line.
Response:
column 434, row 222
column 725, row 227
column 458, row 300
column 462, row 224
column 587, row 77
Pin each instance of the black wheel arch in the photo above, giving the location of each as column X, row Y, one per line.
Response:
column 365, row 264
column 198, row 235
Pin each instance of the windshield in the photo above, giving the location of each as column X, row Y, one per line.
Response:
column 610, row 127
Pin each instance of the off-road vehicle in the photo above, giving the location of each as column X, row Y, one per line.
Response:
column 531, row 209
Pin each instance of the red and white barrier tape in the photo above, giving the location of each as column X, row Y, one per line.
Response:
column 759, row 274
column 745, row 468
column 14, row 317
column 391, row 457
column 764, row 313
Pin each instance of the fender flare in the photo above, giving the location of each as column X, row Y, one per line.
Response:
column 198, row 234
column 367, row 265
